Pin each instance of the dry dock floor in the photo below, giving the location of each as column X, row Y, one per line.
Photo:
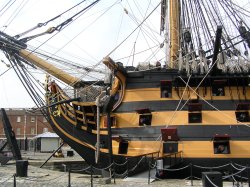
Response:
column 39, row 177
column 43, row 177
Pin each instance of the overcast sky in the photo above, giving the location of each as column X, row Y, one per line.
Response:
column 86, row 41
column 94, row 35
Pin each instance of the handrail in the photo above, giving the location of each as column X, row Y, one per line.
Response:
column 143, row 154
column 170, row 154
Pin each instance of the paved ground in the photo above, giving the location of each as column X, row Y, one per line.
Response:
column 44, row 177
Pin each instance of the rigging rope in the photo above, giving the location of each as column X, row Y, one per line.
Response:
column 7, row 7
column 61, row 26
column 50, row 20
column 73, row 39
column 16, row 12
column 223, row 113
column 133, row 30
column 126, row 37
column 6, row 71
column 29, row 88
column 144, row 32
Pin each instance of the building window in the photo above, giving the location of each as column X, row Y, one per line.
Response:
column 166, row 89
column 45, row 130
column 18, row 131
column 32, row 131
column 18, row 119
column 218, row 88
column 32, row 119
column 44, row 119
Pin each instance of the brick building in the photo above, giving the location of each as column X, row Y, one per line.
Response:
column 26, row 123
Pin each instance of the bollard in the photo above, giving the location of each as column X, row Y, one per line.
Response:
column 69, row 182
column 241, row 181
column 91, row 176
column 248, row 179
column 149, row 171
column 14, row 182
column 114, row 173
column 64, row 167
column 22, row 168
column 191, row 173
column 127, row 166
column 231, row 172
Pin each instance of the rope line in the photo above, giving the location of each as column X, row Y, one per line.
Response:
column 85, row 169
column 210, row 181
column 117, row 164
column 215, row 167
column 228, row 176
column 178, row 169
column 241, row 165
column 103, row 168
column 136, row 164
column 6, row 179
column 235, row 167
column 122, row 174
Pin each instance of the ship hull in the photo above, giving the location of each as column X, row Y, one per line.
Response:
column 197, row 145
column 181, row 142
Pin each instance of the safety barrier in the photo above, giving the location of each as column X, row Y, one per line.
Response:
column 231, row 176
column 151, row 165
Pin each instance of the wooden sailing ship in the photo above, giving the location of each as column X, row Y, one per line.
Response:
column 195, row 109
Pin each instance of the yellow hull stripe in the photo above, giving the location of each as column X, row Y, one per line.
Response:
column 154, row 94
column 180, row 118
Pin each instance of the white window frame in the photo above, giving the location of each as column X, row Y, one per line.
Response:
column 18, row 119
column 32, row 119
column 32, row 130
column 44, row 120
column 18, row 131
column 45, row 129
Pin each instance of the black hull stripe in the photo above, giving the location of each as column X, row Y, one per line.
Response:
column 151, row 79
column 186, row 132
column 170, row 105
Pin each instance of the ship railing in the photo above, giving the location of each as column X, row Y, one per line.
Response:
column 171, row 159
column 141, row 159
column 90, row 93
column 87, row 94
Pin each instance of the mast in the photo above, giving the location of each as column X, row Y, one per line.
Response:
column 174, row 29
column 49, row 68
